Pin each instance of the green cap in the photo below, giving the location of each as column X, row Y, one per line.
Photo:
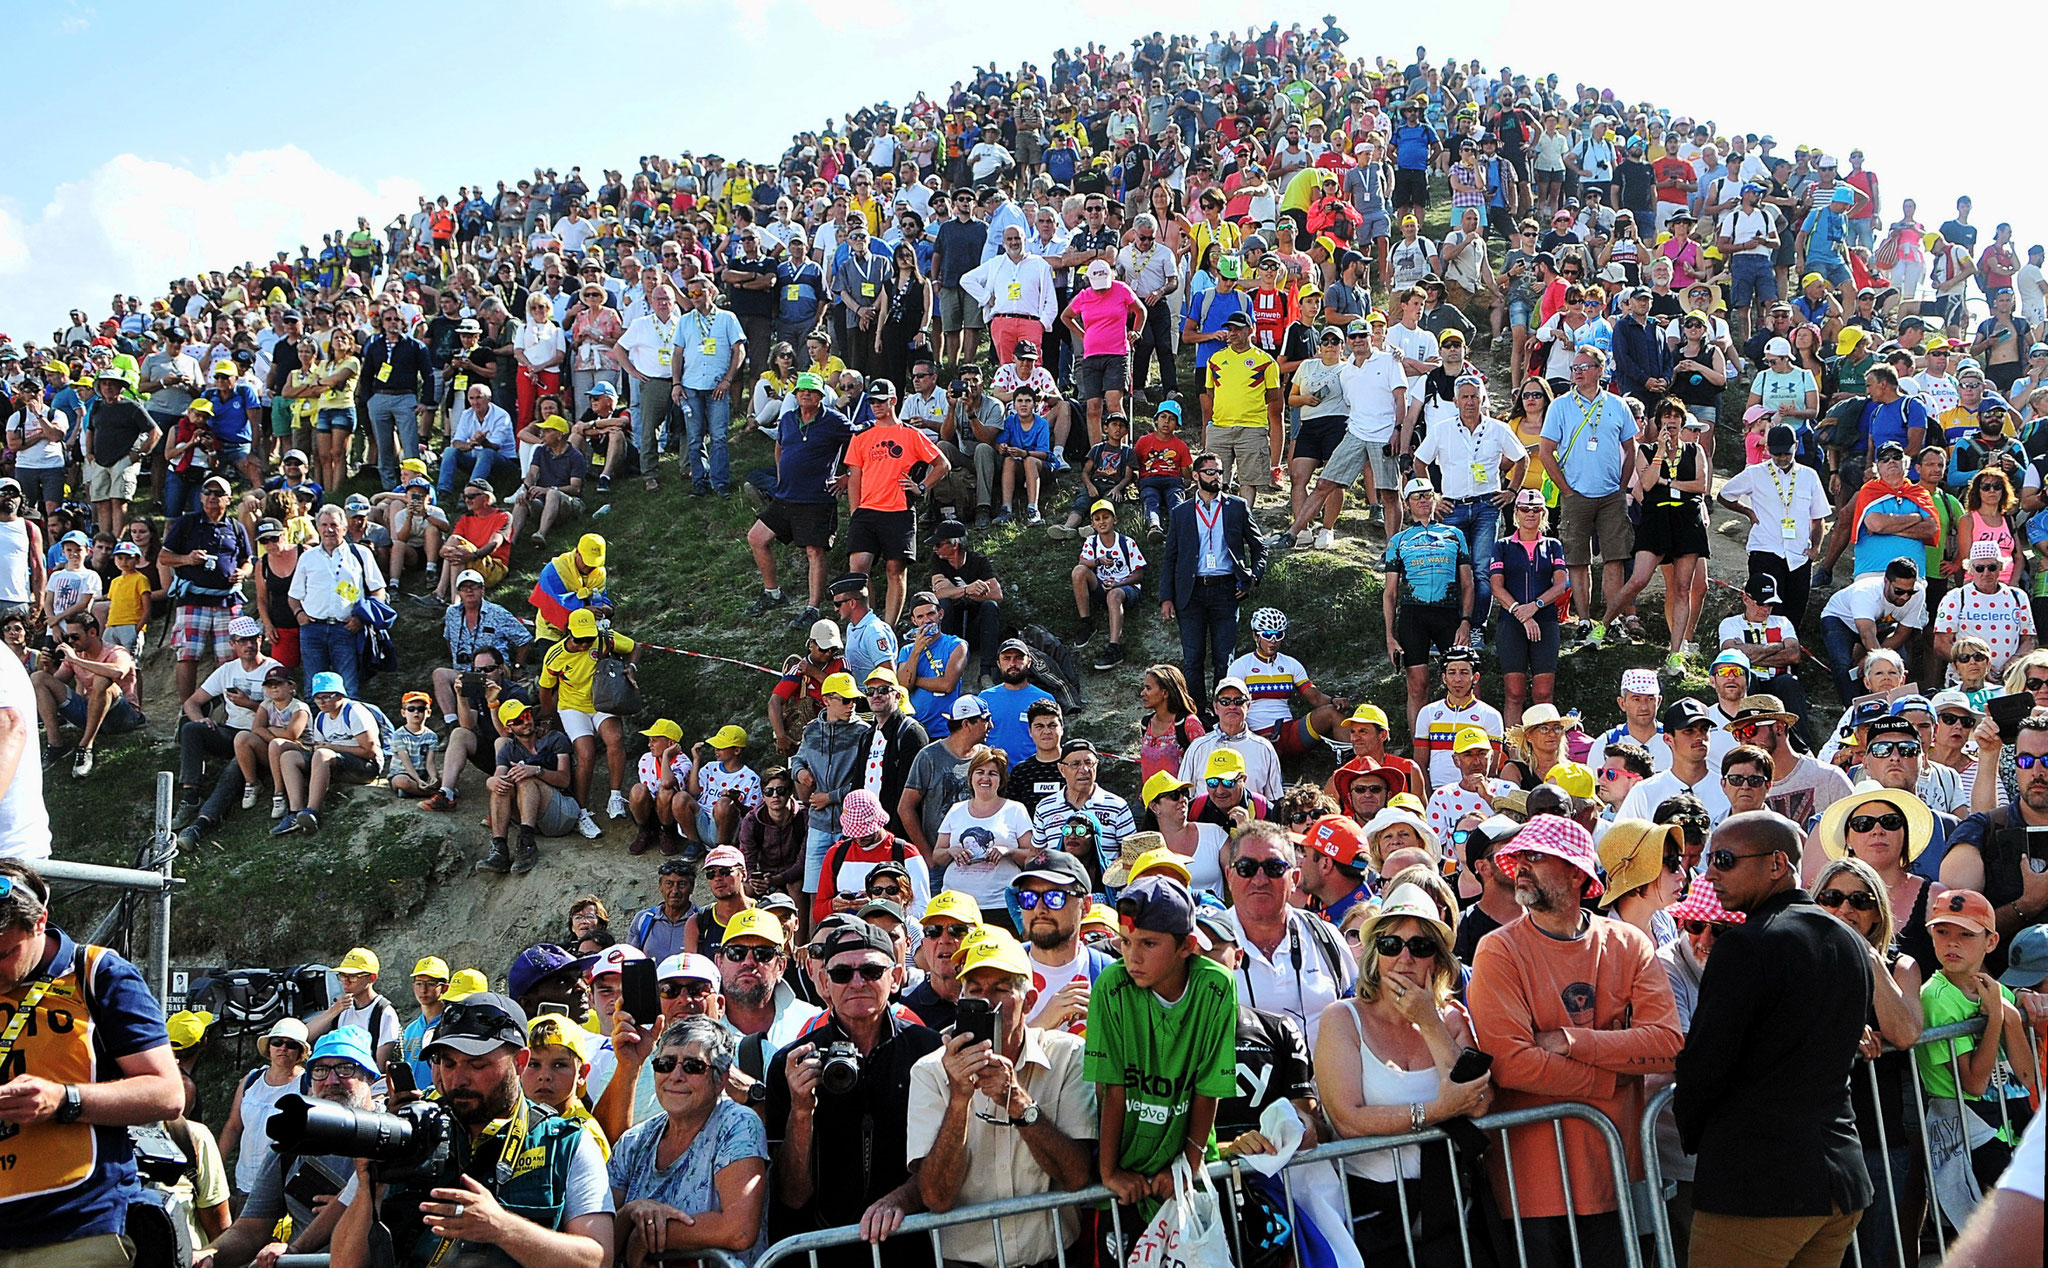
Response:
column 1229, row 266
column 809, row 382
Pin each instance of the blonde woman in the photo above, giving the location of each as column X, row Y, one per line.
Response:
column 1383, row 1063
column 539, row 347
column 334, row 408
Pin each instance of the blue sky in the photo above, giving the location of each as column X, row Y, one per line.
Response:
column 139, row 162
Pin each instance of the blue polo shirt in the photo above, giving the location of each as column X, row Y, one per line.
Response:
column 1589, row 437
column 1875, row 550
column 1008, row 730
column 231, row 413
column 798, row 292
column 804, row 463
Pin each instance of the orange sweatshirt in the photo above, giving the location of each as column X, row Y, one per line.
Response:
column 1610, row 997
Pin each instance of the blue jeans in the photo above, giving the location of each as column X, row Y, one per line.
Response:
column 395, row 420
column 1208, row 622
column 1841, row 639
column 1479, row 521
column 1160, row 494
column 706, row 416
column 476, row 463
column 817, row 840
column 181, row 491
column 324, row 647
column 1863, row 233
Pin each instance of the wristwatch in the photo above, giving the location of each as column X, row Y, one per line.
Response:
column 72, row 1106
column 1029, row 1118
column 757, row 1092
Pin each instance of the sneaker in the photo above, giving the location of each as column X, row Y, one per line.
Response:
column 804, row 619
column 1001, row 517
column 616, row 807
column 1598, row 634
column 187, row 811
column 538, row 542
column 1032, row 518
column 700, row 488
column 189, row 838
column 249, row 794
column 1689, row 648
column 588, row 826
column 767, row 602
column 1061, row 532
column 309, row 822
column 81, row 764
column 1325, row 538
column 439, row 801
column 1282, row 540
column 1112, row 656
column 981, row 517
column 427, row 600
column 1823, row 578
column 604, row 486
column 1059, row 462
column 671, row 840
column 287, row 825
column 278, row 808
column 1083, row 633
column 1152, row 530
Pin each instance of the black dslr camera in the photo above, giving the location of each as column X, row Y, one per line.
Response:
column 839, row 1070
column 418, row 1144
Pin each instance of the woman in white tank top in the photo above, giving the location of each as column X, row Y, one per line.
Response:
column 285, row 1051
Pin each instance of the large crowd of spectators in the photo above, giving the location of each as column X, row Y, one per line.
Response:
column 920, row 947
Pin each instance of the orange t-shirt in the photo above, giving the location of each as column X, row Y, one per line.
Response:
column 884, row 455
column 1607, row 992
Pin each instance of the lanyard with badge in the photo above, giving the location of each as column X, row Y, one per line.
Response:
column 1209, row 520
column 1787, row 528
column 1588, row 411
column 665, row 337
column 707, row 338
column 1483, row 472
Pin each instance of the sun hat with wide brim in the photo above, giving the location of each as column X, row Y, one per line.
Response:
column 1408, row 902
column 1392, row 815
column 1833, row 830
column 1632, row 855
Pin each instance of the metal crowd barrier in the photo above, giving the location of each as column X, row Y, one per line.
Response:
column 1049, row 1205
column 1905, row 1240
column 155, row 877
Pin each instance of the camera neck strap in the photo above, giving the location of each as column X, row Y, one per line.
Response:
column 25, row 1010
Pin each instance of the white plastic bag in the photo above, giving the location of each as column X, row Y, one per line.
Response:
column 1188, row 1231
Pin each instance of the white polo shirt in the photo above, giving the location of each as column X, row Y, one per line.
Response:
column 1470, row 457
column 1296, row 980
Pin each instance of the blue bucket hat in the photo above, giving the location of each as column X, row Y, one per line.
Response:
column 350, row 1043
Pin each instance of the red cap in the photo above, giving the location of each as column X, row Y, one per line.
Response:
column 1964, row 907
column 1336, row 838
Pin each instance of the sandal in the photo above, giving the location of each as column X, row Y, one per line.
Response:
column 1633, row 627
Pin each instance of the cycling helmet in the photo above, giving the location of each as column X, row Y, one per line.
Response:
column 1269, row 623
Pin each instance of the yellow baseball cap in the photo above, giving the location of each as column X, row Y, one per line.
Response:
column 882, row 673
column 1810, row 279
column 949, row 902
column 358, row 960
column 464, row 983
column 509, row 711
column 1368, row 713
column 1100, row 914
column 730, row 736
column 555, row 422
column 552, row 1028
column 583, row 623
column 1575, row 778
column 187, row 1028
column 418, row 466
column 591, row 550
column 756, row 923
column 841, row 685
column 1845, row 343
column 1161, row 858
column 431, row 966
column 1161, row 783
column 1469, row 738
column 666, row 729
column 1407, row 801
column 994, row 950
column 1100, row 505
column 1223, row 763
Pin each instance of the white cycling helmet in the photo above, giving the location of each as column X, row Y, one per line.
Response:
column 1269, row 623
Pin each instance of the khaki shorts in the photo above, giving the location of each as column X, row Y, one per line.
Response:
column 115, row 483
column 958, row 310
column 1246, row 452
column 1348, row 463
column 493, row 571
column 1580, row 519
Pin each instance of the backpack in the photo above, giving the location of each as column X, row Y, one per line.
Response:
column 384, row 730
column 1053, row 666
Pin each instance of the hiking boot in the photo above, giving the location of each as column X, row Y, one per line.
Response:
column 805, row 618
column 499, row 860
column 526, row 855
column 646, row 838
column 767, row 602
column 1111, row 657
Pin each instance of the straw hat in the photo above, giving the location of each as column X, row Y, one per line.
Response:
column 1632, row 855
column 1833, row 830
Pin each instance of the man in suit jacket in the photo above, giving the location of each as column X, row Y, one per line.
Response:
column 1213, row 559
column 1763, row 1081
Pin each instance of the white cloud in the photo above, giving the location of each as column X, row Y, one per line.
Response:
column 132, row 224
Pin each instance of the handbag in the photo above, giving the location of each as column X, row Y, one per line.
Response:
column 1188, row 1231
column 1886, row 257
column 612, row 690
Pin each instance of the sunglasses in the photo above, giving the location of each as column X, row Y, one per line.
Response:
column 841, row 974
column 779, row 790
column 1861, row 900
column 284, row 1043
column 695, row 990
column 2028, row 761
column 1898, row 748
column 1051, row 899
column 1970, row 658
column 692, row 1066
column 1232, row 702
column 2037, row 684
column 738, row 955
column 1217, row 781
column 1725, row 860
column 946, row 931
column 1273, row 868
column 1747, row 781
column 714, row 873
column 1715, row 928
column 1419, row 946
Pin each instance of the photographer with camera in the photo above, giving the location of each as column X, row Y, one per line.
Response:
column 341, row 1071
column 2001, row 851
column 838, row 1105
column 999, row 1083
column 88, row 1055
column 515, row 1182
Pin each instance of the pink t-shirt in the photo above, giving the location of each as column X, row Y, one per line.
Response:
column 1105, row 319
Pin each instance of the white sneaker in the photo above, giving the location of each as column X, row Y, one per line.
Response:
column 277, row 809
column 249, row 793
column 588, row 826
column 1325, row 539
column 617, row 806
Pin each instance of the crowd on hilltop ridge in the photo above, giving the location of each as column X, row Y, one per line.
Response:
column 1174, row 304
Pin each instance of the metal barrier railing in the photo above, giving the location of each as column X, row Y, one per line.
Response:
column 1051, row 1204
column 1888, row 1186
column 160, row 855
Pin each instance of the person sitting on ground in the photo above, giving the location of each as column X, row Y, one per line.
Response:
column 345, row 741
column 572, row 581
column 1274, row 680
column 554, row 482
column 88, row 684
column 722, row 785
column 531, row 785
column 480, row 541
column 568, row 678
column 413, row 744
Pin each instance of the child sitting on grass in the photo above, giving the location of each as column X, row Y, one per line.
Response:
column 413, row 746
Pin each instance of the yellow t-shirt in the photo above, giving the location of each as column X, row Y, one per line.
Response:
column 1239, row 381
column 570, row 671
column 128, row 599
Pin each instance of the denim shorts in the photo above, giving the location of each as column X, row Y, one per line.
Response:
column 335, row 420
column 1519, row 313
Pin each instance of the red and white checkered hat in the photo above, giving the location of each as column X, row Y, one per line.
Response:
column 1704, row 903
column 861, row 814
column 1557, row 836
